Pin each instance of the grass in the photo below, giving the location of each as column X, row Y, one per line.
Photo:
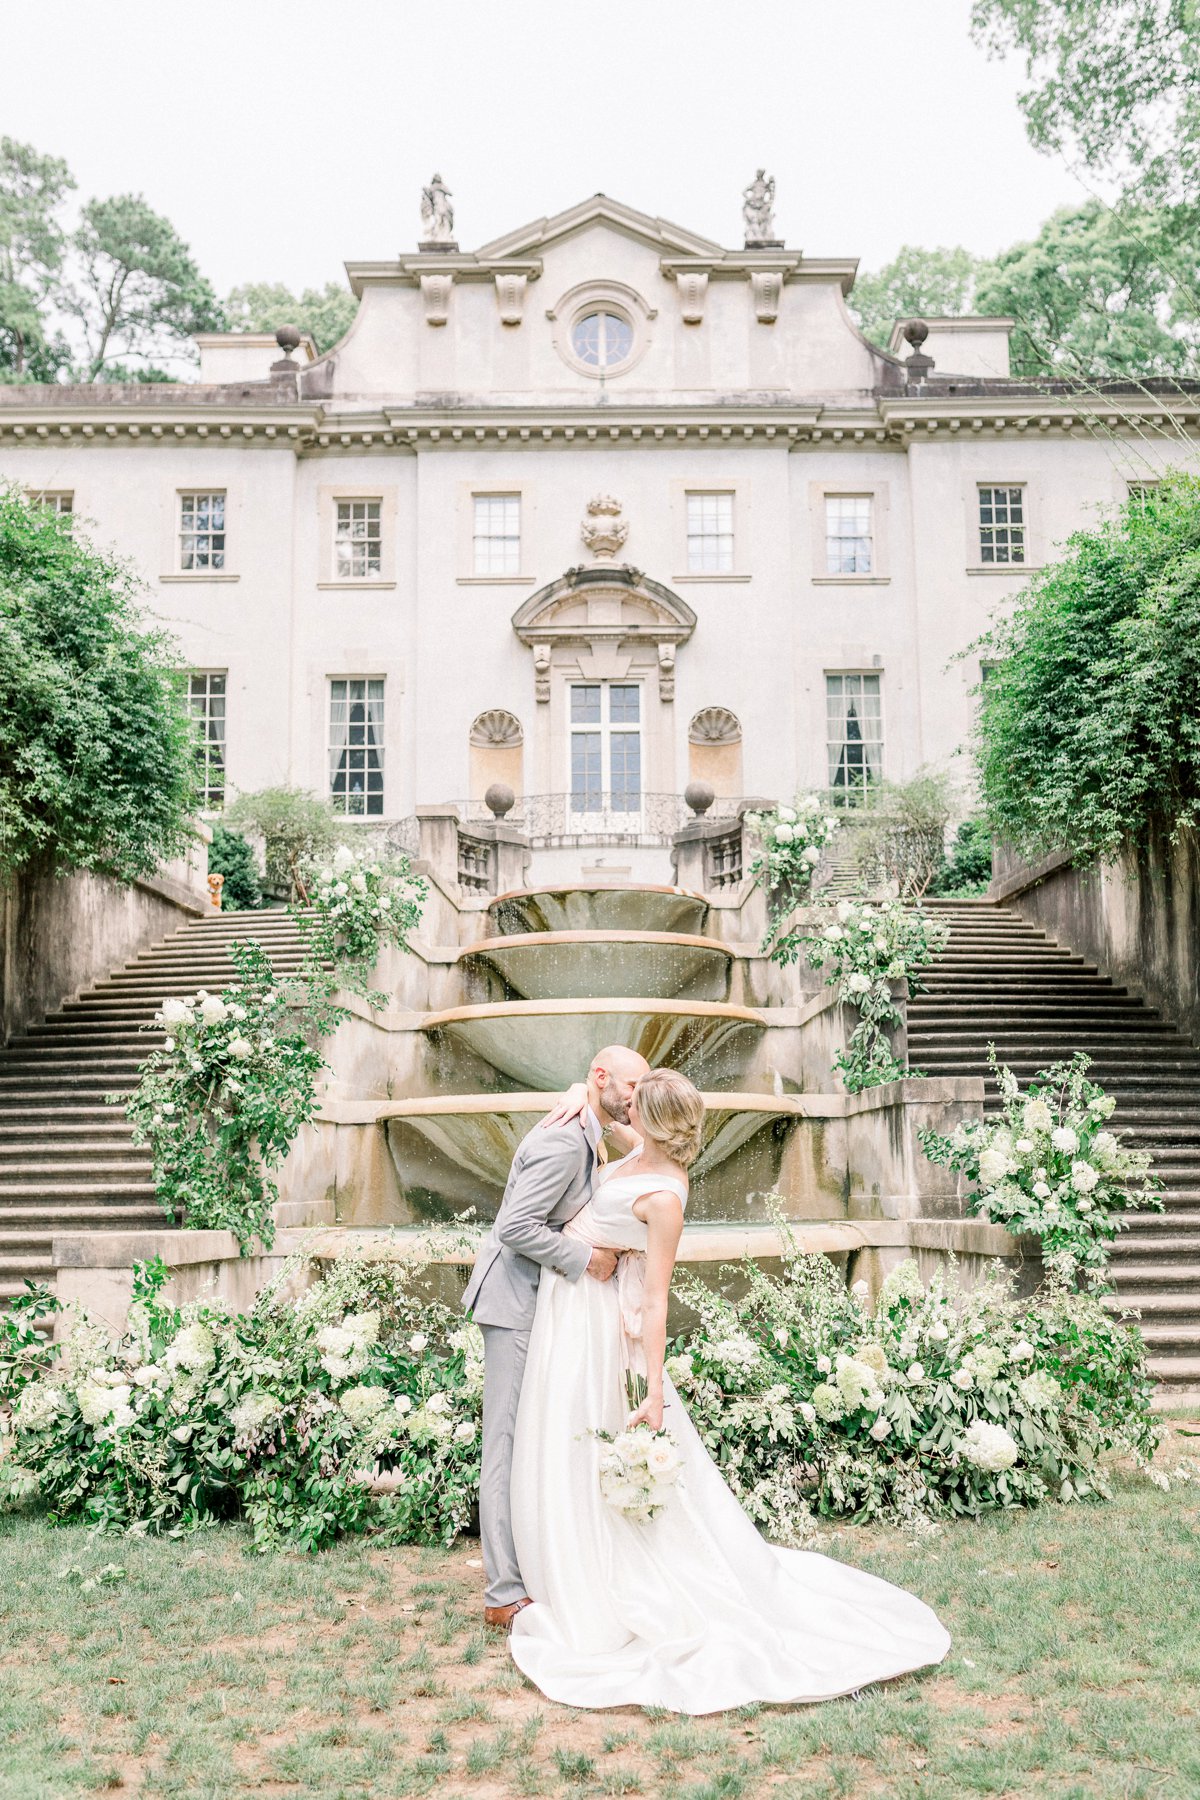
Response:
column 195, row 1669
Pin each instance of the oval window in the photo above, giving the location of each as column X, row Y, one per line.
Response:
column 602, row 339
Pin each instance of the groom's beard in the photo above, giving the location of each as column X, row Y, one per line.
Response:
column 617, row 1110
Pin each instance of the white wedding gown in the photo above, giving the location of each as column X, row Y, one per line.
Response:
column 693, row 1611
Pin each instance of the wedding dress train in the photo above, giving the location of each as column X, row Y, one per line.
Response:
column 693, row 1611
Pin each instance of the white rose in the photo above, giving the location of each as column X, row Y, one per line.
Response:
column 824, row 1365
column 961, row 1378
column 385, row 904
column 168, row 1107
column 168, row 1043
column 1083, row 1204
column 417, row 1342
column 782, row 1336
column 808, row 1412
column 465, row 1433
column 880, row 1428
column 358, row 882
column 1041, row 1190
column 861, row 1290
column 833, row 933
column 402, row 1404
column 1064, row 1139
column 783, row 834
column 916, row 1372
column 859, row 983
column 1021, row 1351
column 438, row 1403
column 787, row 814
column 939, row 1331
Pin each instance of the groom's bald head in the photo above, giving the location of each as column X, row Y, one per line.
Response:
column 614, row 1073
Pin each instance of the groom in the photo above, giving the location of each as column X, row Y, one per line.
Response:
column 550, row 1179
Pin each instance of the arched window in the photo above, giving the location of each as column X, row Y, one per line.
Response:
column 715, row 750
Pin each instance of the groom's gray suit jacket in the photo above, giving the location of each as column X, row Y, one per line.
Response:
column 550, row 1179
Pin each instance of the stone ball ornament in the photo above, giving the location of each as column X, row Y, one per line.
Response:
column 499, row 799
column 699, row 796
column 288, row 338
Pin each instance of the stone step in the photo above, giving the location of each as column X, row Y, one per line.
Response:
column 63, row 1188
column 1159, row 1308
column 15, row 1270
column 67, row 1150
column 1152, row 1276
column 1175, row 1371
column 52, row 1055
column 1168, row 1247
column 30, row 1173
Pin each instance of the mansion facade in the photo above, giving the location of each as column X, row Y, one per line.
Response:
column 597, row 510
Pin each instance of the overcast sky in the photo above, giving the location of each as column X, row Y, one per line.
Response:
column 283, row 139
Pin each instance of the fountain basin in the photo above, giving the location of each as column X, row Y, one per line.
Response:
column 595, row 907
column 557, row 965
column 454, row 1154
column 548, row 1044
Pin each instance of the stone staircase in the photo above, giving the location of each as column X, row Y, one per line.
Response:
column 67, row 1161
column 1003, row 981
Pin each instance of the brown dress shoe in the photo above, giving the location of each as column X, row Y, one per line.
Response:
column 501, row 1617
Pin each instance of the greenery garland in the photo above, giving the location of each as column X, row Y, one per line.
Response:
column 868, row 948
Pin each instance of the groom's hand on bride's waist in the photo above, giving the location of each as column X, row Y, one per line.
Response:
column 602, row 1265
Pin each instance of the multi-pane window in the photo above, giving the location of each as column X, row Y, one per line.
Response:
column 202, row 531
column 356, row 746
column 357, row 540
column 854, row 734
column 602, row 339
column 606, row 747
column 55, row 502
column 710, row 534
column 848, row 534
column 497, row 534
column 1002, row 524
column 206, row 702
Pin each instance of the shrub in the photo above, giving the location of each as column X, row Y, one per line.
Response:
column 231, row 856
column 96, row 759
column 1089, row 728
column 298, row 829
column 870, row 947
column 968, row 868
column 902, row 838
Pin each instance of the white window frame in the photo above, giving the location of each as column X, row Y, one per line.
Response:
column 203, row 717
column 711, row 543
column 55, row 500
column 344, row 748
column 496, row 554
column 1007, row 526
column 606, row 817
column 846, row 790
column 834, row 516
column 358, row 509
column 183, row 534
column 879, row 494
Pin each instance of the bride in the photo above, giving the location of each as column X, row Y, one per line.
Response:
column 692, row 1611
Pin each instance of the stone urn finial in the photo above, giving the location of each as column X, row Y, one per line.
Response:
column 604, row 530
column 499, row 799
column 288, row 339
column 699, row 796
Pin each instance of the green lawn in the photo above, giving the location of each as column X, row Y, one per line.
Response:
column 207, row 1672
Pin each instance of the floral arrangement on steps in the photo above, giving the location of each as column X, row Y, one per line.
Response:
column 867, row 947
column 354, row 1406
column 1049, row 1165
column 792, row 838
column 936, row 1402
column 221, row 1101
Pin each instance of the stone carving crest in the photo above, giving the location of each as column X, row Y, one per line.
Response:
column 437, row 216
column 604, row 530
column 715, row 725
column 758, row 210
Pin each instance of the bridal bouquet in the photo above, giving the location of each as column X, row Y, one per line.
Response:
column 638, row 1469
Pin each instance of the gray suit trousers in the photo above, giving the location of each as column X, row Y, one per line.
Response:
column 505, row 1350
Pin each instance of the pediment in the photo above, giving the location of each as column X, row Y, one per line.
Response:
column 593, row 605
column 599, row 209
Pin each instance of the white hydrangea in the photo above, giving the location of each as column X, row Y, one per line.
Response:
column 680, row 1368
column 1064, row 1139
column 1040, row 1390
column 736, row 1351
column 993, row 1167
column 39, row 1404
column 343, row 859
column 857, row 1383
column 833, row 933
column 361, row 1404
column 1037, row 1116
column 253, row 1411
column 988, row 1447
column 845, row 910
column 902, row 1283
column 859, row 983
column 811, row 855
column 1105, row 1147
column 787, row 814
column 212, row 1009
column 193, row 1349
column 1083, row 1177
column 1022, row 1351
column 176, row 1012
column 241, row 1047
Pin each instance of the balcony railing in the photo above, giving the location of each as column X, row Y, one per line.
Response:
column 577, row 820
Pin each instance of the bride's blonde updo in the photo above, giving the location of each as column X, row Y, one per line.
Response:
column 672, row 1114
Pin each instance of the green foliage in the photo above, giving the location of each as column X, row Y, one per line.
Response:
column 901, row 840
column 1049, row 1165
column 868, row 949
column 325, row 313
column 916, row 283
column 356, row 907
column 939, row 1401
column 231, row 856
column 96, row 764
column 288, row 1415
column 222, row 1100
column 792, row 839
column 137, row 289
column 1089, row 725
column 32, row 248
column 968, row 868
column 299, row 828
column 1101, row 293
column 1114, row 84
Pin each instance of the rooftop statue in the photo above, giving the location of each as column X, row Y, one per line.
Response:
column 437, row 214
column 758, row 210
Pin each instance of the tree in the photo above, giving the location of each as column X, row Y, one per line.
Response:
column 96, row 748
column 1097, row 292
column 326, row 313
column 1114, row 84
column 138, row 292
column 1089, row 726
column 297, row 827
column 231, row 856
column 916, row 283
column 32, row 247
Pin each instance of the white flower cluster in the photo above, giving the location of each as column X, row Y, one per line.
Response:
column 793, row 839
column 638, row 1469
column 988, row 1447
column 345, row 1348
